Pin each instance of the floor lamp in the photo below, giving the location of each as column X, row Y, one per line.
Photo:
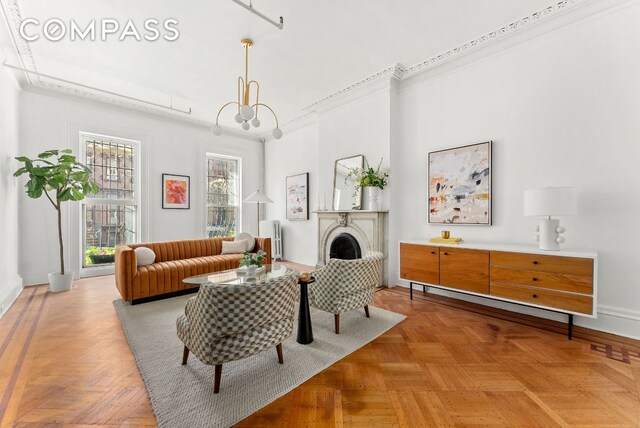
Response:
column 257, row 197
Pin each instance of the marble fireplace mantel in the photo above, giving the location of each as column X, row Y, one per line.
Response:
column 370, row 228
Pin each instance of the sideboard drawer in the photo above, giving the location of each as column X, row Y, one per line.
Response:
column 543, row 297
column 555, row 281
column 536, row 262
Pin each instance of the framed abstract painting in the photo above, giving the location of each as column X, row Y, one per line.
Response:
column 175, row 191
column 298, row 197
column 460, row 185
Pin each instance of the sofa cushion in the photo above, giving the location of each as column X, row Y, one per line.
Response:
column 145, row 256
column 234, row 247
column 244, row 236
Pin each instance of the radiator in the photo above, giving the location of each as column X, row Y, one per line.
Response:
column 271, row 229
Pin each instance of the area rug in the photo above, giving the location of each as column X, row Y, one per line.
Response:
column 182, row 396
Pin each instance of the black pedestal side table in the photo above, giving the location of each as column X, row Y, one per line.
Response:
column 305, row 333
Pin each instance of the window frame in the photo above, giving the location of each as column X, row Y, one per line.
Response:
column 219, row 156
column 137, row 200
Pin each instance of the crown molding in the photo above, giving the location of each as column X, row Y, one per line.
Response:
column 13, row 15
column 398, row 73
column 390, row 73
column 498, row 34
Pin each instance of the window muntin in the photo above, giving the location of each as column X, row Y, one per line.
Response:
column 223, row 196
column 110, row 217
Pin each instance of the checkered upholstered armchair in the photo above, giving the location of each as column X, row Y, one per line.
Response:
column 343, row 285
column 224, row 323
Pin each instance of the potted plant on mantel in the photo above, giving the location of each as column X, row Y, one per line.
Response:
column 59, row 173
column 373, row 180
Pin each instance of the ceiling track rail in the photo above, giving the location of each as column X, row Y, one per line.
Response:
column 250, row 8
column 93, row 88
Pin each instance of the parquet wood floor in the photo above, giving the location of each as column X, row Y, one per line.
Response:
column 64, row 361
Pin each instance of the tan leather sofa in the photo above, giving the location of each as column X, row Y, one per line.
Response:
column 175, row 260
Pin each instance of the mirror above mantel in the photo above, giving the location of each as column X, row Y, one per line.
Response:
column 346, row 194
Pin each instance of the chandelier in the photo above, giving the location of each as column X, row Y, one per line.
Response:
column 247, row 115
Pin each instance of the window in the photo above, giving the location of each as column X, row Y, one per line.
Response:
column 110, row 217
column 223, row 195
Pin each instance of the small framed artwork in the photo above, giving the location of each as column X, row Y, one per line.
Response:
column 460, row 185
column 175, row 191
column 298, row 197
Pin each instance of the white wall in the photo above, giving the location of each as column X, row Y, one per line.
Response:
column 295, row 153
column 50, row 120
column 562, row 110
column 10, row 280
column 360, row 127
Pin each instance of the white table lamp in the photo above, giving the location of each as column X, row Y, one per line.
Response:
column 257, row 198
column 548, row 201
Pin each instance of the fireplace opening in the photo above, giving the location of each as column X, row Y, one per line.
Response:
column 345, row 247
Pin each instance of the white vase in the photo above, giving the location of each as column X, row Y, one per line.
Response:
column 59, row 282
column 373, row 193
column 251, row 271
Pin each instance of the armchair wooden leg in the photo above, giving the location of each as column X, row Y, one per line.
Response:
column 366, row 310
column 279, row 349
column 185, row 355
column 217, row 378
column 336, row 318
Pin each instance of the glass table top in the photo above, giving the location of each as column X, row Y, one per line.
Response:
column 239, row 276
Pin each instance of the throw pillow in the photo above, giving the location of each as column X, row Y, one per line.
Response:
column 250, row 240
column 145, row 256
column 234, row 247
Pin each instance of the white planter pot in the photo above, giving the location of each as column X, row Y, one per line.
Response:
column 59, row 282
column 373, row 193
column 251, row 271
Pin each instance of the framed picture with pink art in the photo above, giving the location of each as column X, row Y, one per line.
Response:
column 175, row 191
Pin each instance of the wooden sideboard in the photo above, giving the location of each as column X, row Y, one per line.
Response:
column 559, row 281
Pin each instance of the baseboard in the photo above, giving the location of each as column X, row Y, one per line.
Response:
column 611, row 320
column 586, row 333
column 9, row 295
column 615, row 320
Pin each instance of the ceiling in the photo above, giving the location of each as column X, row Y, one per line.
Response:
column 324, row 46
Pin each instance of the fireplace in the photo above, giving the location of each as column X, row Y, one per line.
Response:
column 345, row 246
column 351, row 234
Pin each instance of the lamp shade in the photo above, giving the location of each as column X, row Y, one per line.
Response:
column 257, row 197
column 550, row 201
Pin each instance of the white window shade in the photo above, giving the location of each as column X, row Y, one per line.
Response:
column 550, row 201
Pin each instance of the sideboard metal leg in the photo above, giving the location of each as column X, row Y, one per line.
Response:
column 410, row 290
column 570, row 327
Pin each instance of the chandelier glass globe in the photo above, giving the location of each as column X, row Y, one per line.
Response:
column 245, row 126
column 247, row 112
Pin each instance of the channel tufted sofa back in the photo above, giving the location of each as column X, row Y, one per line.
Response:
column 175, row 261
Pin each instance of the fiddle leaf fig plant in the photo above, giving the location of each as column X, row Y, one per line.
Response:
column 59, row 176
